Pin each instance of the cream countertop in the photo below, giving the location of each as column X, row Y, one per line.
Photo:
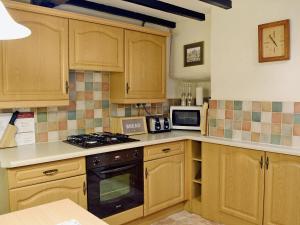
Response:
column 51, row 214
column 53, row 151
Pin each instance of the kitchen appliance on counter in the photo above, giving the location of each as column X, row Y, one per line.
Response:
column 98, row 139
column 158, row 124
column 186, row 117
column 115, row 181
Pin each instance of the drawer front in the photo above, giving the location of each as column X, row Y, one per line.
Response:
column 73, row 188
column 163, row 150
column 29, row 175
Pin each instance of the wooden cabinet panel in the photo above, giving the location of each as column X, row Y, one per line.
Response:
column 163, row 183
column 282, row 195
column 29, row 175
column 36, row 68
column 145, row 56
column 72, row 188
column 163, row 150
column 96, row 47
column 241, row 184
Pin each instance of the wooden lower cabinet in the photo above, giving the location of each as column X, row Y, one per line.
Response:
column 282, row 190
column 163, row 183
column 73, row 188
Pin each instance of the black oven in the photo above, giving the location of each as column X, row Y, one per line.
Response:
column 115, row 181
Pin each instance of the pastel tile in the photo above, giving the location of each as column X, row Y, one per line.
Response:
column 42, row 137
column 62, row 116
column 247, row 106
column 89, row 114
column 256, row 107
column 221, row 104
column 89, row 123
column 266, row 128
column 229, row 105
column 256, row 116
column 265, row 138
column 238, row 115
column 88, row 86
column 72, row 115
column 89, row 104
column 255, row 137
column 81, row 124
column 42, row 127
column 97, row 77
column 288, row 107
column 80, row 114
column 97, row 95
column 52, row 126
column 98, row 122
column 228, row 134
column 105, row 104
column 256, row 127
column 220, row 124
column 276, row 106
column 297, row 118
column 42, row 117
column 62, row 125
column 237, row 135
column 275, row 139
column 98, row 113
column 72, row 124
column 213, row 104
column 246, row 126
column 286, row 140
column 287, row 130
column 287, row 118
column 276, row 129
column 220, row 132
column 246, row 136
column 88, row 76
column 296, row 130
column 79, row 76
column 296, row 141
column 266, row 106
column 237, row 125
column 276, row 117
column 247, row 116
column 266, row 117
column 80, row 86
column 228, row 124
column 297, row 107
column 53, row 136
column 88, row 95
column 80, row 95
column 228, row 114
column 238, row 105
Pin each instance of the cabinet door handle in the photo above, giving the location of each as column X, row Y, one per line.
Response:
column 146, row 173
column 84, row 188
column 67, row 87
column 166, row 150
column 267, row 163
column 127, row 88
column 261, row 162
column 50, row 172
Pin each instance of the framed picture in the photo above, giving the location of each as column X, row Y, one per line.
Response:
column 194, row 54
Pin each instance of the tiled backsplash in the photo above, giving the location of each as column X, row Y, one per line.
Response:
column 87, row 112
column 265, row 122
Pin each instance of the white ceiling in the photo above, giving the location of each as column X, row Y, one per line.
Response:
column 194, row 5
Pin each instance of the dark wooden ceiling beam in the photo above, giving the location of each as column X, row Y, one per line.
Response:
column 225, row 4
column 169, row 8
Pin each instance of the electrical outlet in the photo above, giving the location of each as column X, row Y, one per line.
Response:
column 138, row 106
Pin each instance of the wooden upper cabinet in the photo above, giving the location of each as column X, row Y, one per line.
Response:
column 282, row 205
column 241, row 185
column 145, row 70
column 35, row 68
column 96, row 47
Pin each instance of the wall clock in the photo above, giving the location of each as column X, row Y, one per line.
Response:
column 274, row 41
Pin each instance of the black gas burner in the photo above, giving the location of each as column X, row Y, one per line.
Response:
column 98, row 139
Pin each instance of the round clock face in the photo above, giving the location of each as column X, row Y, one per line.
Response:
column 273, row 42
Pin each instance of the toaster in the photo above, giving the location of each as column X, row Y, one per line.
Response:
column 158, row 124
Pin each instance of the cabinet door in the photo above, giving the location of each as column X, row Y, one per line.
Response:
column 73, row 188
column 96, row 47
column 164, row 183
column 282, row 194
column 241, row 185
column 36, row 68
column 145, row 65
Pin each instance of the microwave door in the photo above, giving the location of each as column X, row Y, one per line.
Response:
column 186, row 119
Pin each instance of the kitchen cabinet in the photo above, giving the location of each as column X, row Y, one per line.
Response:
column 282, row 195
column 96, row 47
column 34, row 70
column 164, row 183
column 247, row 187
column 144, row 79
column 73, row 188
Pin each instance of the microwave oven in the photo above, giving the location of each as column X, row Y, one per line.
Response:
column 186, row 117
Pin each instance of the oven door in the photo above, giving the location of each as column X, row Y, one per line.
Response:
column 115, row 189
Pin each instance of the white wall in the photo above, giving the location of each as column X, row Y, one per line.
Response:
column 187, row 32
column 236, row 73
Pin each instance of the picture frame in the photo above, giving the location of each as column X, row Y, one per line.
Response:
column 194, row 54
column 129, row 125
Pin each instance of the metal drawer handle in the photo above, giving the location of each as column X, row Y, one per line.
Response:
column 50, row 172
column 166, row 150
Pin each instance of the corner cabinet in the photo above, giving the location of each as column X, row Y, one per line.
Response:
column 96, row 47
column 34, row 70
column 248, row 187
column 144, row 79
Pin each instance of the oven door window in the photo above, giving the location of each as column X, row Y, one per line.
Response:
column 189, row 118
column 115, row 187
